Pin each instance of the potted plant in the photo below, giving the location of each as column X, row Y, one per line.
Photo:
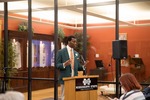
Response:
column 79, row 37
column 61, row 34
column 23, row 27
column 11, row 61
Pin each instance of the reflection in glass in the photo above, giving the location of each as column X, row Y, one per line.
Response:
column 42, row 53
column 17, row 49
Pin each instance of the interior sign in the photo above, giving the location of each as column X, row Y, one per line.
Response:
column 86, row 84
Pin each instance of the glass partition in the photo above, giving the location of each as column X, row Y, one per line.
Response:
column 42, row 53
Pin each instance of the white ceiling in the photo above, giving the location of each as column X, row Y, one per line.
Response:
column 71, row 11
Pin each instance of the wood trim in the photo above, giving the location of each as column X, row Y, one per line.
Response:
column 0, row 29
column 76, row 77
column 37, row 36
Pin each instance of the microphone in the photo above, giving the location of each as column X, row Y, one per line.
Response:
column 84, row 68
column 83, row 59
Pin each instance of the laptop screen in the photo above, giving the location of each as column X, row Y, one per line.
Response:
column 137, row 61
column 99, row 63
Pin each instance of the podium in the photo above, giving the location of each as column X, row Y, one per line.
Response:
column 81, row 87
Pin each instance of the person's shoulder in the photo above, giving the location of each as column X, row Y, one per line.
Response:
column 63, row 49
column 122, row 96
column 134, row 94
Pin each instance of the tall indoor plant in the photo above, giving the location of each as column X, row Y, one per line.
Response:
column 11, row 61
column 79, row 37
column 61, row 34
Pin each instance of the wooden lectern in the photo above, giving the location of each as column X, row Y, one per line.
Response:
column 81, row 87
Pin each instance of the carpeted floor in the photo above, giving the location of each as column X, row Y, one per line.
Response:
column 50, row 99
column 100, row 97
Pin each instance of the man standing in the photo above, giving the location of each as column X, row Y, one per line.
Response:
column 68, row 62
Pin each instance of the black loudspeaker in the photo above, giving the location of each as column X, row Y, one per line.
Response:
column 120, row 49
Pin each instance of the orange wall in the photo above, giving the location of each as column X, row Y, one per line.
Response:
column 101, row 42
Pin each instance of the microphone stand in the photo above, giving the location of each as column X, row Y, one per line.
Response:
column 84, row 69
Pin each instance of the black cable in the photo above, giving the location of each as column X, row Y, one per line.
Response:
column 110, row 65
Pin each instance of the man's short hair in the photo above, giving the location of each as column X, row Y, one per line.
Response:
column 70, row 38
column 65, row 40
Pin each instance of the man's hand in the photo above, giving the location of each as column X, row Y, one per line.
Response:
column 85, row 63
column 68, row 62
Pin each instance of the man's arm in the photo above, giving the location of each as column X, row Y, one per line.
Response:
column 59, row 61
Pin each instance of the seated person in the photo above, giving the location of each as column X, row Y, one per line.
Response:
column 131, row 87
column 146, row 92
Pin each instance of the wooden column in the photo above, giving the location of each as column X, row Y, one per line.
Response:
column 0, row 29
